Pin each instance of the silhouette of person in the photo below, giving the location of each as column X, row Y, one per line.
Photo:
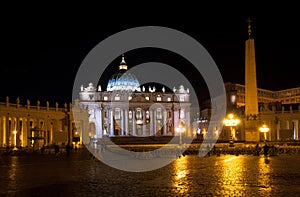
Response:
column 42, row 150
column 266, row 150
column 56, row 149
column 68, row 150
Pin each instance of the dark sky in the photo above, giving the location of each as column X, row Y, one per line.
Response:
column 42, row 51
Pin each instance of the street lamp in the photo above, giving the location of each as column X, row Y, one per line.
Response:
column 264, row 129
column 231, row 122
column 180, row 129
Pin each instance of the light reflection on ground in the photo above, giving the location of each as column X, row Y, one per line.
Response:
column 181, row 171
column 79, row 175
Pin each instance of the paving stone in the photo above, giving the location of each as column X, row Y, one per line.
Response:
column 80, row 175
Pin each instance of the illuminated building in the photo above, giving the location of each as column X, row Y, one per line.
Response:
column 280, row 110
column 125, row 109
column 26, row 124
column 128, row 109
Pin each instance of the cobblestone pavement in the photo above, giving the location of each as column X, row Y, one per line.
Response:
column 190, row 175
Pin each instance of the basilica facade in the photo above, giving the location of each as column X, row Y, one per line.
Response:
column 127, row 108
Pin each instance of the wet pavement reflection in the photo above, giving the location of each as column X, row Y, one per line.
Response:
column 190, row 175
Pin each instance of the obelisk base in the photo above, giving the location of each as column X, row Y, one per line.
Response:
column 251, row 131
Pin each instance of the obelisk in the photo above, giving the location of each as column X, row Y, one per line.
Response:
column 251, row 100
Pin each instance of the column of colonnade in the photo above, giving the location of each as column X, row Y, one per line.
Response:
column 296, row 129
column 3, row 134
column 15, row 130
column 128, row 125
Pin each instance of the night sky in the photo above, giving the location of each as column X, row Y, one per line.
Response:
column 41, row 52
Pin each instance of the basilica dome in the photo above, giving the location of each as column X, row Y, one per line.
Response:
column 123, row 80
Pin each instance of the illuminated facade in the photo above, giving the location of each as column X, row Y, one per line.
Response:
column 127, row 109
column 287, row 96
column 31, row 125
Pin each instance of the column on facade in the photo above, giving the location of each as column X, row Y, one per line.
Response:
column 70, row 129
column 19, row 131
column 175, row 120
column 296, row 129
column 24, row 132
column 98, row 122
column 151, row 121
column 55, row 128
column 46, row 128
column 8, row 131
column 28, row 131
column 188, row 121
column 271, row 133
column 144, row 123
column 3, row 125
column 133, row 123
column 85, row 133
column 122, row 122
column 154, row 122
column 1, row 133
column 111, row 122
column 51, row 128
column 15, row 130
column 278, row 130
column 126, row 122
column 40, row 126
column 12, row 130
column 165, row 125
column 82, row 130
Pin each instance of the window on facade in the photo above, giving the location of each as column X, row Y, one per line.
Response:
column 138, row 114
column 31, row 124
column 168, row 99
column 147, row 97
column 233, row 99
column 158, row 113
column 181, row 98
column 181, row 115
column 158, row 98
column 117, row 97
column 117, row 113
column 130, row 114
column 105, row 98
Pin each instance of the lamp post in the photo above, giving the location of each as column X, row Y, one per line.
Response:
column 264, row 129
column 231, row 122
column 180, row 129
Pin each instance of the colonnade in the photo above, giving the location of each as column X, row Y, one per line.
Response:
column 138, row 121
